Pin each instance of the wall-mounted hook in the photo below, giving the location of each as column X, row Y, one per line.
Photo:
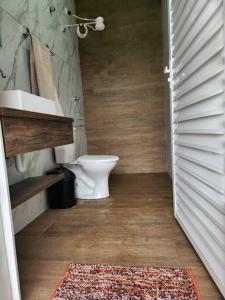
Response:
column 76, row 98
column 67, row 11
column 51, row 51
column 52, row 9
column 2, row 73
column 26, row 32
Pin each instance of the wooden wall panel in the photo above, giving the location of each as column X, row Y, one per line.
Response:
column 123, row 83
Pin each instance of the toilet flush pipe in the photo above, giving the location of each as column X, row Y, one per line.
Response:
column 20, row 163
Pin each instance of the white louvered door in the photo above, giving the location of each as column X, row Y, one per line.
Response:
column 197, row 77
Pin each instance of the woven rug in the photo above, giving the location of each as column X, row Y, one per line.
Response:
column 102, row 282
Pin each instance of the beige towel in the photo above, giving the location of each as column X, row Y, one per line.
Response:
column 42, row 82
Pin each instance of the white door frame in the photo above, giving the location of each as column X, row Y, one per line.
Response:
column 9, row 269
column 171, row 96
column 5, row 286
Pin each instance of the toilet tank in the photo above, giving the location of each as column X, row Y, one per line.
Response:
column 66, row 153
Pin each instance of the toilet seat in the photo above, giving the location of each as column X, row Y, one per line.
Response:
column 97, row 158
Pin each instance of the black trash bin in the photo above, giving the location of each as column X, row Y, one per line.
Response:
column 62, row 193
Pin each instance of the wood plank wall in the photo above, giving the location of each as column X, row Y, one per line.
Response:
column 123, row 83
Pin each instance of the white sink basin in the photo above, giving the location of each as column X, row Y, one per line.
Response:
column 21, row 100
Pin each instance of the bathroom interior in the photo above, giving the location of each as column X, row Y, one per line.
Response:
column 136, row 93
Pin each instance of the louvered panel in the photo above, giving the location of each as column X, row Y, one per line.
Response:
column 216, row 234
column 198, row 69
column 201, row 26
column 176, row 3
column 201, row 95
column 201, row 55
column 197, row 235
column 209, row 194
column 212, row 179
column 198, row 103
column 189, row 6
column 209, row 210
column 178, row 9
column 180, row 31
column 200, row 115
column 210, row 107
column 210, row 125
column 196, row 83
column 212, row 85
column 215, row 251
column 206, row 159
column 208, row 143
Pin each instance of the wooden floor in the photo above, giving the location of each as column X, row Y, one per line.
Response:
column 135, row 226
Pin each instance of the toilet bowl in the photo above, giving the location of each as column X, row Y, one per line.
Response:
column 97, row 168
column 91, row 171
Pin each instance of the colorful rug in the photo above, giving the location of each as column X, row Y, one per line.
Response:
column 100, row 282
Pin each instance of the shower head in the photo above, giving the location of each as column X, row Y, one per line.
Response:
column 99, row 24
column 95, row 24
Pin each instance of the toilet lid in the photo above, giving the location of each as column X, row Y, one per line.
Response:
column 98, row 158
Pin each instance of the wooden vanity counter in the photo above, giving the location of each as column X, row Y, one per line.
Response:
column 25, row 131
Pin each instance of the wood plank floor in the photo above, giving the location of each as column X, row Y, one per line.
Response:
column 135, row 226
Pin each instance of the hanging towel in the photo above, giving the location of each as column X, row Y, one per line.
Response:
column 42, row 82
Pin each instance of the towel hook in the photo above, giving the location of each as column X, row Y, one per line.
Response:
column 2, row 73
column 51, row 51
column 52, row 9
column 26, row 32
column 76, row 98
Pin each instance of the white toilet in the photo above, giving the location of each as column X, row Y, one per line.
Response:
column 97, row 168
column 92, row 171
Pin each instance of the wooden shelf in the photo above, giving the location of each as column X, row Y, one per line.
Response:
column 26, row 189
column 25, row 131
